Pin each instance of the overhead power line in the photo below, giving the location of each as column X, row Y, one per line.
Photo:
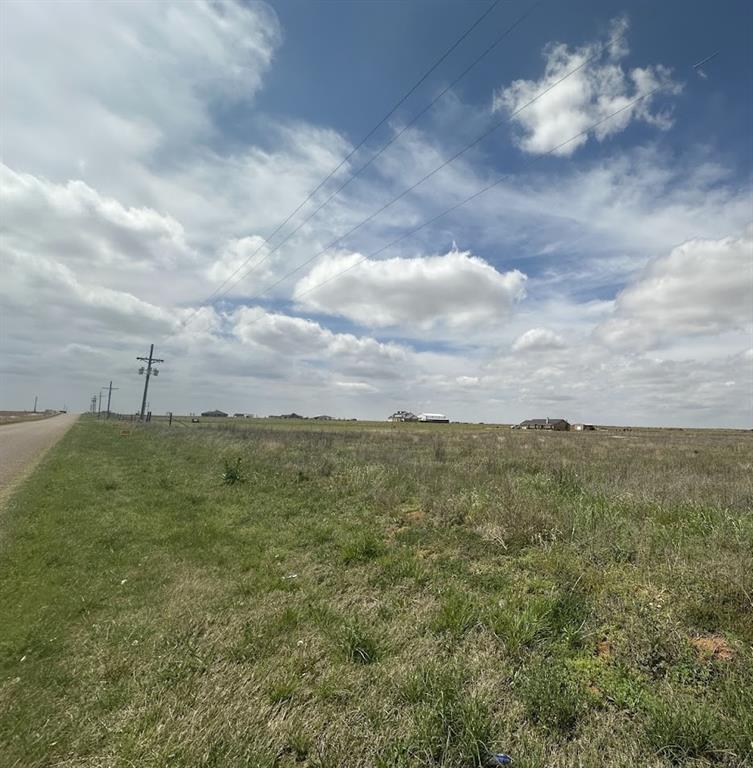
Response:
column 468, row 199
column 425, row 178
column 358, row 146
column 371, row 160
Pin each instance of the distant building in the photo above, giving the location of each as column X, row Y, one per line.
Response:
column 583, row 427
column 324, row 417
column 239, row 415
column 289, row 416
column 403, row 416
column 214, row 413
column 558, row 425
column 434, row 418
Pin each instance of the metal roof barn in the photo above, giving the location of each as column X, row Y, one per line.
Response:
column 436, row 418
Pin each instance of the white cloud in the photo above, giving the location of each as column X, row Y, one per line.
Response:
column 302, row 338
column 355, row 386
column 701, row 287
column 241, row 255
column 599, row 88
column 453, row 291
column 43, row 296
column 97, row 86
column 74, row 222
column 538, row 339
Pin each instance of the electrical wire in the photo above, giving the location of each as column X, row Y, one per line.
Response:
column 371, row 160
column 468, row 199
column 355, row 149
column 425, row 178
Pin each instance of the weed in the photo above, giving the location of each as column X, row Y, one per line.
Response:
column 553, row 699
column 360, row 548
column 232, row 473
column 682, row 729
column 359, row 646
column 457, row 613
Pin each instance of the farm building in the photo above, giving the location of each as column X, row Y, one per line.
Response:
column 559, row 425
column 239, row 415
column 403, row 416
column 583, row 427
column 214, row 413
column 434, row 418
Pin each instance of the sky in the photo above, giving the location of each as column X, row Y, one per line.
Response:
column 194, row 175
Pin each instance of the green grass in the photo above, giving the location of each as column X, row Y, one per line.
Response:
column 277, row 594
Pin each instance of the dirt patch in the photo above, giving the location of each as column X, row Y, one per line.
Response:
column 604, row 649
column 713, row 647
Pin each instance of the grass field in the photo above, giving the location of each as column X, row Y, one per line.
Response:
column 261, row 594
column 15, row 417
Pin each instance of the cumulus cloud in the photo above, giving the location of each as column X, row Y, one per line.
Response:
column 701, row 287
column 538, row 339
column 75, row 223
column 84, row 110
column 455, row 291
column 297, row 336
column 71, row 306
column 600, row 87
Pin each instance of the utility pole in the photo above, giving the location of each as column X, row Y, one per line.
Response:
column 93, row 406
column 36, row 397
column 148, row 370
column 99, row 407
column 109, row 397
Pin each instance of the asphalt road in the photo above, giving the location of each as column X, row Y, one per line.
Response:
column 22, row 445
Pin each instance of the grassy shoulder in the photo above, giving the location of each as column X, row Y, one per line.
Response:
column 17, row 417
column 378, row 596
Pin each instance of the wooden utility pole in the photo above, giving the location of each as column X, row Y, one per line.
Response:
column 36, row 397
column 148, row 370
column 109, row 397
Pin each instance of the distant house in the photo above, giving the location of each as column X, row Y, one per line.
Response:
column 583, row 427
column 214, row 413
column 558, row 425
column 433, row 418
column 403, row 416
column 239, row 415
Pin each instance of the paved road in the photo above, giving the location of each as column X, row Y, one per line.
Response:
column 22, row 445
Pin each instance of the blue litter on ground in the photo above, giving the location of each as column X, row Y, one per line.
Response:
column 502, row 759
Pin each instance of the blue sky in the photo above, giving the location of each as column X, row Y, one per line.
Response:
column 150, row 149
